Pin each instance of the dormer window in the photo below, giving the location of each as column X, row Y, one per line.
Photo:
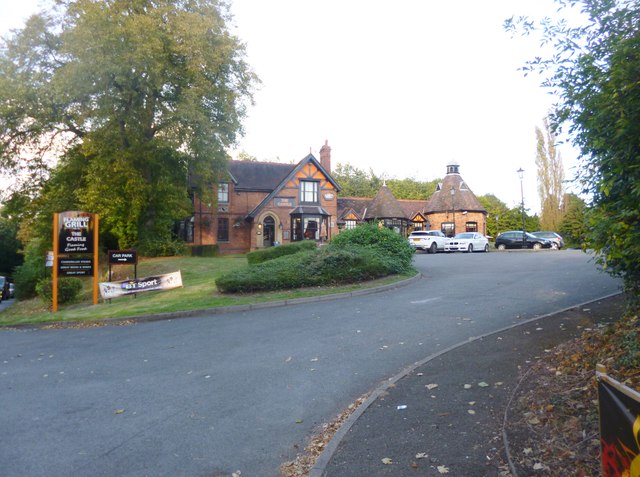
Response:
column 309, row 192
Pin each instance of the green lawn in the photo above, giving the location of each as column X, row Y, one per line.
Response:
column 199, row 292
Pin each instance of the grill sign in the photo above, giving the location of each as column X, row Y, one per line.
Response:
column 123, row 257
column 75, row 232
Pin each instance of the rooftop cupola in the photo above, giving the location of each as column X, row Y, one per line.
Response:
column 453, row 168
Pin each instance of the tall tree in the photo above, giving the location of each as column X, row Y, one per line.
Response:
column 574, row 225
column 145, row 92
column 550, row 178
column 594, row 71
column 356, row 182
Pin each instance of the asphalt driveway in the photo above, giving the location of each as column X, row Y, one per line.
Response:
column 211, row 395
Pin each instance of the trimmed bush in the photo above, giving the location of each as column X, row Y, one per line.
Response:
column 329, row 265
column 382, row 240
column 68, row 289
column 266, row 254
column 203, row 250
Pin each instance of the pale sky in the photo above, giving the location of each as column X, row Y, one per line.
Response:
column 400, row 87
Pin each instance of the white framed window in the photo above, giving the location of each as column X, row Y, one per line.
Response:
column 309, row 192
column 223, row 193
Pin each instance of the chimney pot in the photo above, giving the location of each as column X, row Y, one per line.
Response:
column 325, row 156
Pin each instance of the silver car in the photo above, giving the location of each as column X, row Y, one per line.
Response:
column 557, row 242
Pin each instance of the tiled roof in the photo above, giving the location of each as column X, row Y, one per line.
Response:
column 463, row 199
column 259, row 176
column 358, row 205
column 412, row 207
column 385, row 206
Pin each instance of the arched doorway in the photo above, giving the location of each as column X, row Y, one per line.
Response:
column 268, row 231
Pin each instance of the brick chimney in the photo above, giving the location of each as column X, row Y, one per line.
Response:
column 325, row 156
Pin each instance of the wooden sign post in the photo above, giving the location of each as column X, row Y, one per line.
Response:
column 75, row 232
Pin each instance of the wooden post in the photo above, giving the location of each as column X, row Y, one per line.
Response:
column 54, row 285
column 96, row 224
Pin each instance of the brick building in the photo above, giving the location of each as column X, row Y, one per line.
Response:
column 264, row 203
column 453, row 208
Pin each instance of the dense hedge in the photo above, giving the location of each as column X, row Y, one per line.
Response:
column 329, row 265
column 68, row 289
column 265, row 254
column 381, row 240
column 364, row 253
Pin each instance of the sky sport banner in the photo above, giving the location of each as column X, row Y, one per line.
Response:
column 619, row 428
column 128, row 287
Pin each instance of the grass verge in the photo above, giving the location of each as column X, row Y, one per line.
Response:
column 198, row 293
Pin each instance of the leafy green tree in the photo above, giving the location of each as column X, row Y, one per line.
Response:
column 359, row 183
column 573, row 227
column 356, row 182
column 497, row 214
column 140, row 95
column 9, row 246
column 412, row 189
column 594, row 71
column 550, row 178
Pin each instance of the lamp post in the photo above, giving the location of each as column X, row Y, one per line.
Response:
column 521, row 176
column 453, row 209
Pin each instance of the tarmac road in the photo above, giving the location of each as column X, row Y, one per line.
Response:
column 212, row 395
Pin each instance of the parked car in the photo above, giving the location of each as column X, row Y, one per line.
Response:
column 4, row 288
column 520, row 239
column 467, row 242
column 12, row 290
column 430, row 241
column 557, row 242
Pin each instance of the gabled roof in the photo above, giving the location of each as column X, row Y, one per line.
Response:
column 357, row 205
column 385, row 206
column 258, row 176
column 412, row 207
column 293, row 170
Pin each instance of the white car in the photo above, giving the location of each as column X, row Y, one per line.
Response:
column 430, row 241
column 467, row 242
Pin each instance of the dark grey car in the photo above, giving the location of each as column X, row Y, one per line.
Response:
column 520, row 239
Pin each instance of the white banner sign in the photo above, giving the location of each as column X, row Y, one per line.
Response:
column 139, row 285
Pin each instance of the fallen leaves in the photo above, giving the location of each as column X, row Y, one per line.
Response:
column 387, row 461
column 302, row 464
column 443, row 469
column 553, row 422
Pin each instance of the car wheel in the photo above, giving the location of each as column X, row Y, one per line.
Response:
column 470, row 249
column 554, row 245
column 537, row 246
column 433, row 248
column 486, row 248
column 502, row 247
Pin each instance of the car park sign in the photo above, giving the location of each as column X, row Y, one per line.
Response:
column 123, row 257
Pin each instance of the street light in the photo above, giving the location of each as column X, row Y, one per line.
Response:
column 521, row 176
column 453, row 209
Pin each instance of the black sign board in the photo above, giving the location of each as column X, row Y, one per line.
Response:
column 75, row 267
column 123, row 257
column 75, row 232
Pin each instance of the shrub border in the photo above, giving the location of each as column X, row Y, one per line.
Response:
column 223, row 309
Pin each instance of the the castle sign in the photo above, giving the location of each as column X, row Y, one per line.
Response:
column 75, row 232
